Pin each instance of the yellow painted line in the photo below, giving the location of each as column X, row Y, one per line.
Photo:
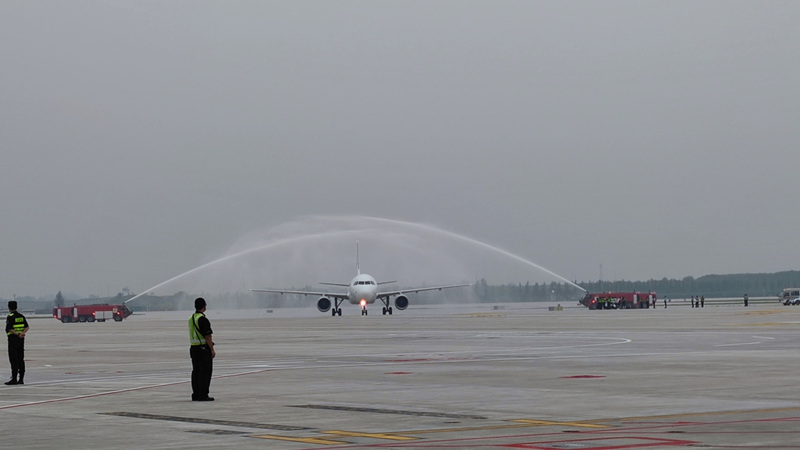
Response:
column 465, row 429
column 764, row 313
column 519, row 423
column 307, row 440
column 387, row 436
column 567, row 424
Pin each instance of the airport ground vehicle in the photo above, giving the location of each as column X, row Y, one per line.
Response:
column 792, row 301
column 91, row 313
column 618, row 300
column 789, row 294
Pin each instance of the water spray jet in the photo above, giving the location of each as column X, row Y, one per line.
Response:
column 345, row 230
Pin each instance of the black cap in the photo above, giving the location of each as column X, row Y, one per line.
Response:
column 12, row 305
column 199, row 303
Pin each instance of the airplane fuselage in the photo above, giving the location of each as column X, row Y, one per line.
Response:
column 362, row 290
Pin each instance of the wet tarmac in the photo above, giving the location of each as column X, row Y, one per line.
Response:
column 473, row 377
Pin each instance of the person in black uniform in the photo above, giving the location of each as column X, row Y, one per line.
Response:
column 16, row 328
column 201, row 351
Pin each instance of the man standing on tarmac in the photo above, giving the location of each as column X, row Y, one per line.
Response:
column 201, row 351
column 16, row 328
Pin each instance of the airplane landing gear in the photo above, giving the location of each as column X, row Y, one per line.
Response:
column 364, row 311
column 386, row 308
column 336, row 308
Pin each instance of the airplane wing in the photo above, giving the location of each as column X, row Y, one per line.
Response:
column 284, row 291
column 415, row 290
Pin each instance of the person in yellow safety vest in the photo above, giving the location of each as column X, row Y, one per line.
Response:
column 201, row 351
column 16, row 329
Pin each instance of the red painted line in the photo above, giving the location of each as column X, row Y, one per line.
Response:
column 649, row 442
column 584, row 376
column 481, row 442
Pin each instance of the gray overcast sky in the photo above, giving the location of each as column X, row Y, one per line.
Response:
column 142, row 139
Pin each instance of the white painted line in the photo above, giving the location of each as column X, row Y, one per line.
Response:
column 741, row 343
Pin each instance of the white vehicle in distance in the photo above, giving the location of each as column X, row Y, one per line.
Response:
column 792, row 301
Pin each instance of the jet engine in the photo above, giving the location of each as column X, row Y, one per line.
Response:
column 324, row 304
column 401, row 302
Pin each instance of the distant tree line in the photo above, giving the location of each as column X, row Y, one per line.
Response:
column 712, row 286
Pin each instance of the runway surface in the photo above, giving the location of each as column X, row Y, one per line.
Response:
column 513, row 376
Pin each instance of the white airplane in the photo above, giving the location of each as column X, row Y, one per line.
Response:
column 362, row 290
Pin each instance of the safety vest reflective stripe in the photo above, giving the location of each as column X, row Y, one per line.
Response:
column 194, row 333
column 19, row 324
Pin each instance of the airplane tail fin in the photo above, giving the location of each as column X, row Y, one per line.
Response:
column 358, row 265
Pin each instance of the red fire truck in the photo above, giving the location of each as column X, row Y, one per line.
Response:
column 619, row 300
column 91, row 313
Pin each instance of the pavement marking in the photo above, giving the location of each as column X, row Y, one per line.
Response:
column 464, row 429
column 98, row 394
column 306, row 440
column 118, row 391
column 588, row 443
column 219, row 432
column 707, row 413
column 395, row 435
column 479, row 315
column 763, row 313
column 567, row 424
column 387, row 436
column 230, row 423
column 604, row 443
column 739, row 344
column 762, row 324
column 389, row 411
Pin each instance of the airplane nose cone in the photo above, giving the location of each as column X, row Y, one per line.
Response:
column 365, row 294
